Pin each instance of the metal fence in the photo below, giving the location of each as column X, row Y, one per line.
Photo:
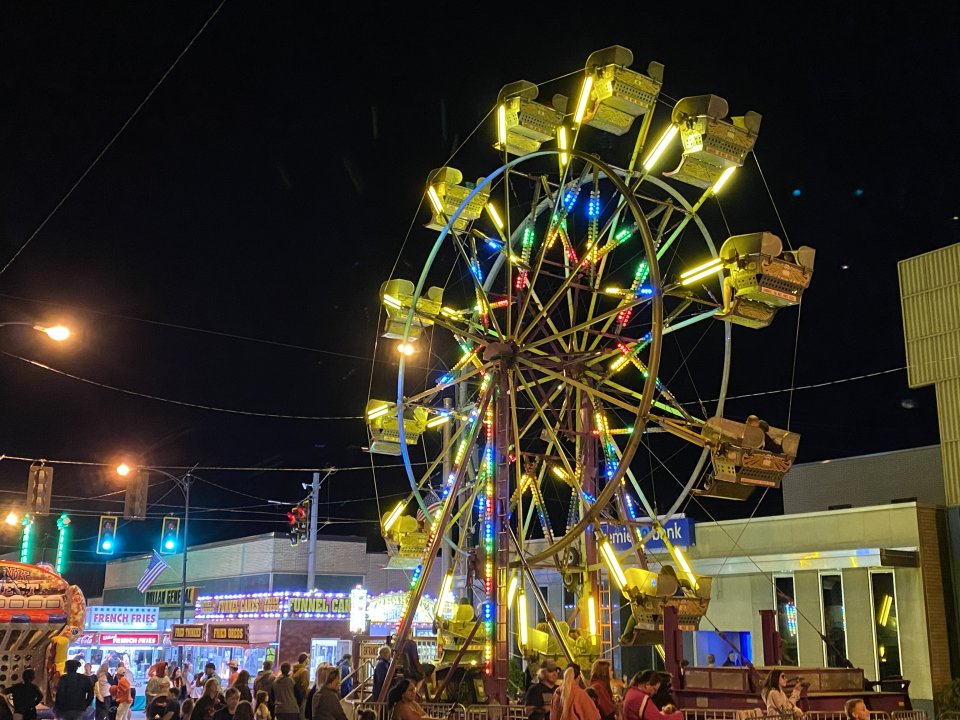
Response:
column 909, row 715
column 456, row 711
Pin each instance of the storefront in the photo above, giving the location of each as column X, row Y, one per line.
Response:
column 270, row 626
column 116, row 634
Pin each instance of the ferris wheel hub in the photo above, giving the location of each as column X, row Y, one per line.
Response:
column 502, row 351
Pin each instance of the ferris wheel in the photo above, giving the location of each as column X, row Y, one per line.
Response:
column 576, row 304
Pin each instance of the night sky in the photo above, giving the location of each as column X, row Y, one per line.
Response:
column 227, row 249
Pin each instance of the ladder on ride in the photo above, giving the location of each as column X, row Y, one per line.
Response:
column 606, row 620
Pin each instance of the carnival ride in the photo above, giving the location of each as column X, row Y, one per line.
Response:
column 40, row 613
column 573, row 297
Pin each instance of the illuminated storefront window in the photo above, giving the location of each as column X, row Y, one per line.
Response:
column 786, row 620
column 886, row 626
column 834, row 620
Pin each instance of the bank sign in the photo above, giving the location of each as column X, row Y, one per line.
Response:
column 680, row 531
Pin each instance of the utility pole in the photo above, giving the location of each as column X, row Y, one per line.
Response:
column 312, row 544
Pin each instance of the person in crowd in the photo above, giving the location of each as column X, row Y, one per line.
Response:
column 540, row 694
column 576, row 704
column 242, row 683
column 774, row 694
column 209, row 671
column 264, row 682
column 732, row 660
column 122, row 693
column 346, row 668
column 402, row 702
column 231, row 701
column 158, row 685
column 244, row 711
column 26, row 696
column 537, row 714
column 325, row 703
column 555, row 710
column 262, row 710
column 286, row 705
column 186, row 709
column 177, row 682
column 234, row 671
column 301, row 681
column 101, row 693
column 638, row 702
column 74, row 693
column 409, row 660
column 209, row 702
column 711, row 660
column 380, row 670
column 88, row 669
column 165, row 707
column 600, row 682
column 856, row 709
column 189, row 681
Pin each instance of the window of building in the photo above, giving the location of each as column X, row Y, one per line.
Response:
column 886, row 626
column 834, row 620
column 545, row 592
column 786, row 620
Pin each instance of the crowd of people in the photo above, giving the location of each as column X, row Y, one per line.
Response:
column 175, row 693
column 597, row 697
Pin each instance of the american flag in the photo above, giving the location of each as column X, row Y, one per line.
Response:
column 434, row 505
column 156, row 566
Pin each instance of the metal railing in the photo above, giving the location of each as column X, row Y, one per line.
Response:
column 825, row 715
column 441, row 711
column 910, row 715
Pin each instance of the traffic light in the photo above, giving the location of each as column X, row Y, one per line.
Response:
column 295, row 520
column 135, row 499
column 107, row 537
column 304, row 525
column 39, row 483
column 170, row 535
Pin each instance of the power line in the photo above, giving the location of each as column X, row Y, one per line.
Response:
column 807, row 387
column 113, row 139
column 182, row 403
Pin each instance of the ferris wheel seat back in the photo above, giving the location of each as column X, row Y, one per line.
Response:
column 759, row 270
column 619, row 95
column 446, row 194
column 645, row 625
column 711, row 144
column 523, row 124
column 744, row 457
column 651, row 584
column 397, row 299
column 384, row 428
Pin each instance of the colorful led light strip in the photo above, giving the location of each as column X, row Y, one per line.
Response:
column 643, row 271
column 63, row 525
column 488, row 606
column 525, row 252
column 25, row 539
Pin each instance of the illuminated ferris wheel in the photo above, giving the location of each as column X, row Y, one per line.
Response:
column 569, row 303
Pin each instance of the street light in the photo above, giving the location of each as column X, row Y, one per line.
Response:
column 184, row 483
column 54, row 332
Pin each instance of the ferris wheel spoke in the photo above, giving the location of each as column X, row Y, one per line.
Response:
column 485, row 309
column 547, row 426
column 585, row 325
column 440, row 387
column 593, row 392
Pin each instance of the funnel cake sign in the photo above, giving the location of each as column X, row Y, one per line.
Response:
column 327, row 606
